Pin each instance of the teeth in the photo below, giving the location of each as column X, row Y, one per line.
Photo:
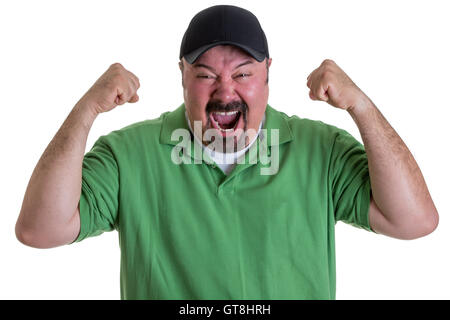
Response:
column 226, row 113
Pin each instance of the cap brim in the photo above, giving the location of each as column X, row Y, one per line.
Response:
column 194, row 55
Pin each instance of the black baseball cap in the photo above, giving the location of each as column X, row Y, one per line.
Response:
column 221, row 25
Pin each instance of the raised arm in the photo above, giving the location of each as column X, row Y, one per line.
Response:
column 401, row 205
column 49, row 216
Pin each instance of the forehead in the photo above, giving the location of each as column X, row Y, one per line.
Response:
column 224, row 55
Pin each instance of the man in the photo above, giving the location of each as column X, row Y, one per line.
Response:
column 198, row 216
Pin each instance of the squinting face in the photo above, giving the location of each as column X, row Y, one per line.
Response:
column 227, row 90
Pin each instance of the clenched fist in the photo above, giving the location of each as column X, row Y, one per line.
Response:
column 331, row 84
column 115, row 87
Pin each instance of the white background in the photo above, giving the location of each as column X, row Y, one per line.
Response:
column 52, row 51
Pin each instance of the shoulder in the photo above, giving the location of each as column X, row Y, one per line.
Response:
column 145, row 132
column 144, row 127
column 304, row 129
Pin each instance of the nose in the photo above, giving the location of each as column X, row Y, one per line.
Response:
column 225, row 92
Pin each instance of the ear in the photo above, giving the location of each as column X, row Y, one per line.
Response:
column 269, row 62
column 181, row 66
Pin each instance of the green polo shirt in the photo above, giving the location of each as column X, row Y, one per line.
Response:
column 188, row 231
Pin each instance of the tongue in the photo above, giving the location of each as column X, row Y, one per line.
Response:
column 226, row 121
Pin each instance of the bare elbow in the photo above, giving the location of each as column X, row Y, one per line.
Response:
column 30, row 238
column 432, row 222
column 25, row 237
column 47, row 233
column 425, row 226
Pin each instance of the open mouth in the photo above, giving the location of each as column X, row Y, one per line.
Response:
column 225, row 122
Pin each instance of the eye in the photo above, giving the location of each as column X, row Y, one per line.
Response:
column 243, row 75
column 203, row 76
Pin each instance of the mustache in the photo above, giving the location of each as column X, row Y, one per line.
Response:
column 216, row 106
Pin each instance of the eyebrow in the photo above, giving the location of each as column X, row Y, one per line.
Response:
column 243, row 64
column 201, row 65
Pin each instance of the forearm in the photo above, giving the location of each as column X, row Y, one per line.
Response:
column 53, row 192
column 398, row 187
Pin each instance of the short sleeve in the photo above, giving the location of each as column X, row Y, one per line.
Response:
column 350, row 181
column 99, row 191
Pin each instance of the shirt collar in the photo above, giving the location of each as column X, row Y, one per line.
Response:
column 274, row 120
